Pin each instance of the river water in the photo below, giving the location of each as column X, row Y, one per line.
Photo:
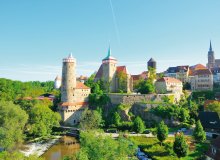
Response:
column 66, row 146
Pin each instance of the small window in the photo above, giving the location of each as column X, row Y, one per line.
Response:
column 213, row 151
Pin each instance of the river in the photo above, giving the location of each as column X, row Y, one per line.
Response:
column 66, row 146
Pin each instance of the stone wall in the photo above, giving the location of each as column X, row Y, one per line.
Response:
column 130, row 99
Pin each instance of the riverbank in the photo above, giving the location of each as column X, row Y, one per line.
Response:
column 39, row 148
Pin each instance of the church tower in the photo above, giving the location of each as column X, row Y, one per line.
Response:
column 68, row 79
column 211, row 57
column 109, row 70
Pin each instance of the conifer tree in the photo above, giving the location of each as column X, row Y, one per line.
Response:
column 180, row 147
column 199, row 133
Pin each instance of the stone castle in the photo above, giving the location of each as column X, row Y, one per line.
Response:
column 74, row 95
column 109, row 71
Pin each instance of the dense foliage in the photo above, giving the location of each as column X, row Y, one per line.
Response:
column 90, row 119
column 42, row 120
column 213, row 107
column 180, row 145
column 12, row 124
column 199, row 134
column 17, row 156
column 12, row 90
column 94, row 146
column 139, row 126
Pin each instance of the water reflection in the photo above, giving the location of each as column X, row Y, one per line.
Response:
column 66, row 146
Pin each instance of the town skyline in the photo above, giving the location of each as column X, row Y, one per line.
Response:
column 42, row 36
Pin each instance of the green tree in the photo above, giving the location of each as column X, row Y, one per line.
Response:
column 162, row 131
column 199, row 134
column 180, row 146
column 42, row 119
column 139, row 126
column 12, row 124
column 122, row 81
column 90, row 119
column 17, row 156
column 214, row 107
column 95, row 146
column 184, row 115
column 146, row 87
column 116, row 119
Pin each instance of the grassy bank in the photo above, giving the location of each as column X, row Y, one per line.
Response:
column 165, row 152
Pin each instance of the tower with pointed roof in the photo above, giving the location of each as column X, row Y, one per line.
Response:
column 109, row 70
column 152, row 63
column 68, row 79
column 211, row 57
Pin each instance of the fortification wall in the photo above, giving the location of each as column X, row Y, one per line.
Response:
column 130, row 99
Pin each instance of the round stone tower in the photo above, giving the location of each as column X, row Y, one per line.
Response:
column 68, row 79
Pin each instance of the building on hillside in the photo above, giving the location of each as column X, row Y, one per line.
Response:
column 82, row 78
column 145, row 74
column 110, row 73
column 212, row 62
column 169, row 85
column 216, row 74
column 201, row 79
column 213, row 152
column 178, row 72
column 210, row 122
column 137, row 78
column 74, row 94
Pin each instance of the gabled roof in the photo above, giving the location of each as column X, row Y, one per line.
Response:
column 122, row 69
column 202, row 72
column 197, row 67
column 169, row 80
column 209, row 120
column 80, row 85
column 136, row 77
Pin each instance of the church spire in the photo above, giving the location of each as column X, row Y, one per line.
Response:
column 109, row 51
column 210, row 47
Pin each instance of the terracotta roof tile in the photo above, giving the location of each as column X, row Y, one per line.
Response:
column 202, row 72
column 80, row 85
column 121, row 69
column 169, row 80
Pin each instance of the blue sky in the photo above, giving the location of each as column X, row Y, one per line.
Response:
column 36, row 35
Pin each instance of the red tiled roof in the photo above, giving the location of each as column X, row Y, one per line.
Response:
column 169, row 80
column 64, row 104
column 121, row 69
column 202, row 72
column 207, row 102
column 80, row 85
column 197, row 67
column 136, row 77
